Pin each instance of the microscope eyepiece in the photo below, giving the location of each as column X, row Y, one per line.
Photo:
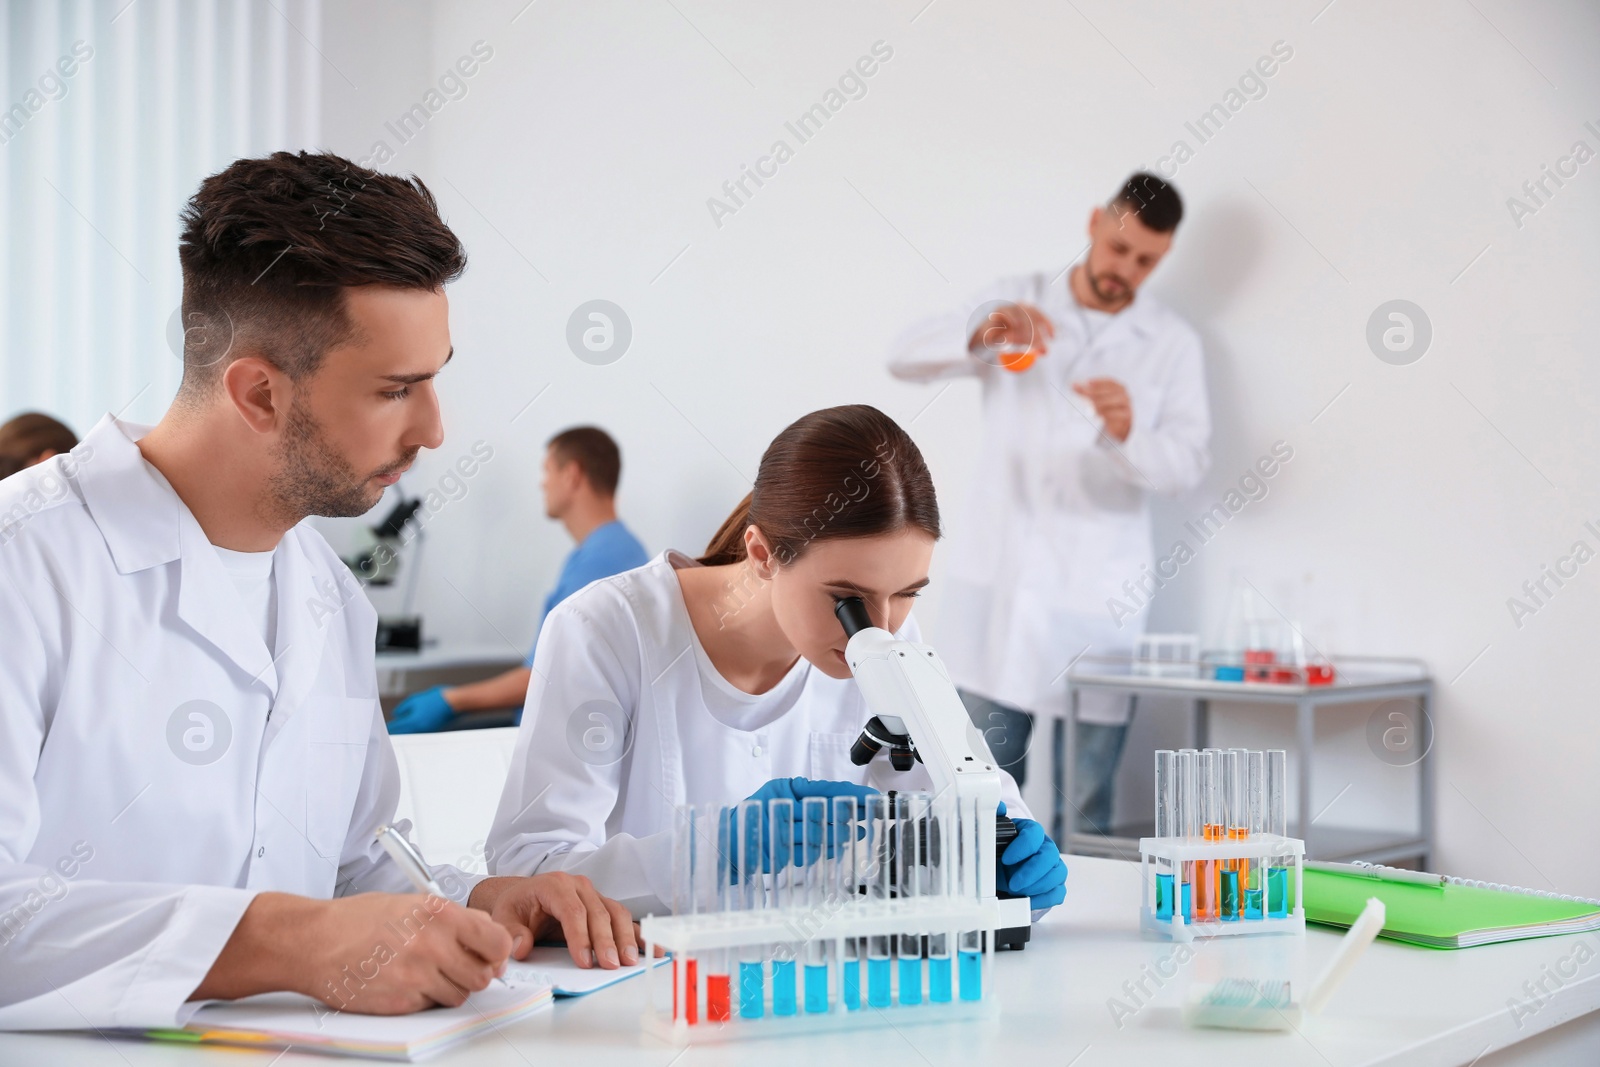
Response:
column 852, row 614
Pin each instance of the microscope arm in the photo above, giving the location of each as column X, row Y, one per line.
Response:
column 906, row 681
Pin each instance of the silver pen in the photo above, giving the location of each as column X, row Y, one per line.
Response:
column 1377, row 873
column 409, row 860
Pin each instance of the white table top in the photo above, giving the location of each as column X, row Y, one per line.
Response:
column 1402, row 1005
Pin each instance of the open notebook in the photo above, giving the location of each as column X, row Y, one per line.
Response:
column 290, row 1020
column 1446, row 912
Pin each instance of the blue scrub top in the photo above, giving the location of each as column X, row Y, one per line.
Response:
column 609, row 549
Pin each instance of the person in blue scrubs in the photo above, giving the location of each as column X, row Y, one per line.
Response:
column 581, row 469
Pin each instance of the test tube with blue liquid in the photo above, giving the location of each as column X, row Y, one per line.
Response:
column 1277, row 823
column 817, row 857
column 911, row 818
column 969, row 943
column 751, row 898
column 1166, row 803
column 846, row 887
column 937, row 883
column 879, row 979
column 781, row 896
column 1187, row 823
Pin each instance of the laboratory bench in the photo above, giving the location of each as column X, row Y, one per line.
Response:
column 1357, row 679
column 1088, row 990
column 402, row 672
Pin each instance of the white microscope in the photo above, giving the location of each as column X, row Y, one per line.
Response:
column 918, row 716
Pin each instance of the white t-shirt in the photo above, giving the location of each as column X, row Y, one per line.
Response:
column 252, row 576
column 626, row 718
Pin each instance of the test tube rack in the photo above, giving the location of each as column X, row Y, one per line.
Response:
column 1208, row 859
column 835, row 890
column 1221, row 861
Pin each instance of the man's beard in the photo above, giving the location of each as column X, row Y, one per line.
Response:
column 313, row 479
column 1109, row 298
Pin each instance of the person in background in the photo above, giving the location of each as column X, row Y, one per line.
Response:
column 1094, row 398
column 32, row 438
column 581, row 469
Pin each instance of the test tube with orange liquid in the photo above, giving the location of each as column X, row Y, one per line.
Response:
column 1212, row 819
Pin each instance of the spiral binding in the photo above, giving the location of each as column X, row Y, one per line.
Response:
column 1497, row 886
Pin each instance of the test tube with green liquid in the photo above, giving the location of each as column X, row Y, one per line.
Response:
column 1255, row 794
column 1277, row 823
column 1230, row 904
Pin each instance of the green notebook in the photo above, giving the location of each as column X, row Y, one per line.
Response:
column 1452, row 913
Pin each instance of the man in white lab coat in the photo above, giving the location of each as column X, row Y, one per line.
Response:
column 192, row 757
column 1094, row 397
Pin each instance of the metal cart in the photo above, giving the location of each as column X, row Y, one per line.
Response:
column 1357, row 679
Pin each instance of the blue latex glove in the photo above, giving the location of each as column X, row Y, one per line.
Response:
column 422, row 713
column 1031, row 866
column 807, row 844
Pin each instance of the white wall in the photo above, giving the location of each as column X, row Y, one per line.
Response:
column 1377, row 166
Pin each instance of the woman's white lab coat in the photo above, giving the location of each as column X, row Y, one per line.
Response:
column 1056, row 518
column 619, row 729
column 158, row 767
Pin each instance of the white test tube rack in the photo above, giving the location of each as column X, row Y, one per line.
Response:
column 955, row 910
column 1270, row 850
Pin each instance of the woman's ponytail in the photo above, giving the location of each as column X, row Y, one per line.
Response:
column 727, row 544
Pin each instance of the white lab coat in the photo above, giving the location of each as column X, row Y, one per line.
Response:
column 671, row 731
column 132, row 833
column 1057, row 517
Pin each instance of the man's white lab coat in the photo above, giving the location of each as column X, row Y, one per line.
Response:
column 158, row 767
column 1056, row 518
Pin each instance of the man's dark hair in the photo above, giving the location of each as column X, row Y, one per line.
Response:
column 1152, row 201
column 595, row 453
column 269, row 246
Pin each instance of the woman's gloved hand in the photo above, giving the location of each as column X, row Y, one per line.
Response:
column 807, row 843
column 422, row 713
column 1031, row 866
